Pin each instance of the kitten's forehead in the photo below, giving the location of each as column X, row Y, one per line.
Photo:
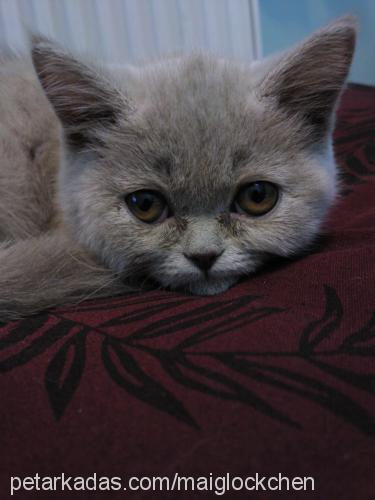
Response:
column 197, row 118
column 199, row 96
column 193, row 78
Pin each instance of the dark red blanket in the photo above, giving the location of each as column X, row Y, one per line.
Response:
column 277, row 375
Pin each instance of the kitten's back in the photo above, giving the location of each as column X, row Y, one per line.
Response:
column 29, row 152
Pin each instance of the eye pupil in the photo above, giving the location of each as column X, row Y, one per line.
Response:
column 257, row 192
column 143, row 201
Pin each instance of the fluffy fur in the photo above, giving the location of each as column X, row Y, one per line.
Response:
column 195, row 128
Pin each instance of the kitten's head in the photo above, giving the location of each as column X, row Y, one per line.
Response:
column 194, row 171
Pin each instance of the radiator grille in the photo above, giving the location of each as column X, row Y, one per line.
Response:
column 120, row 31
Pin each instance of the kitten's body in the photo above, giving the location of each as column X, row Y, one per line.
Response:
column 40, row 264
column 194, row 128
column 29, row 153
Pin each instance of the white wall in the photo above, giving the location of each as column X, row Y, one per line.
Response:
column 287, row 22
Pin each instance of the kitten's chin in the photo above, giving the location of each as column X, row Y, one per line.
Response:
column 212, row 287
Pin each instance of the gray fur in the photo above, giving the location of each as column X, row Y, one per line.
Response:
column 194, row 128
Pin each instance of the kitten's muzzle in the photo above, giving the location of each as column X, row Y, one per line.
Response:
column 204, row 261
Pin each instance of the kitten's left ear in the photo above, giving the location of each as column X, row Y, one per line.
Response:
column 308, row 79
column 82, row 97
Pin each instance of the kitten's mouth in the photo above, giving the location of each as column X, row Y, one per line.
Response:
column 211, row 286
column 204, row 286
column 197, row 283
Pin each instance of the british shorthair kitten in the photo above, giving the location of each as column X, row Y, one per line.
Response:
column 186, row 173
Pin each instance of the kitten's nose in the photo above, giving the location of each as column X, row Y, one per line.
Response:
column 203, row 260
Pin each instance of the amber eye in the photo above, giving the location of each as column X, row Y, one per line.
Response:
column 256, row 198
column 147, row 206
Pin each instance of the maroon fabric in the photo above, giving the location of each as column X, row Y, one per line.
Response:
column 275, row 375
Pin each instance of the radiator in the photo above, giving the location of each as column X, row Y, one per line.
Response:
column 126, row 31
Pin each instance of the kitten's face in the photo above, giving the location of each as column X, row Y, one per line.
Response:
column 200, row 175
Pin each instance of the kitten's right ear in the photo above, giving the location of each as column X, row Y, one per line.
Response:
column 82, row 97
column 309, row 79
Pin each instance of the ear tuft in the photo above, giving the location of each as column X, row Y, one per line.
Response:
column 309, row 79
column 81, row 96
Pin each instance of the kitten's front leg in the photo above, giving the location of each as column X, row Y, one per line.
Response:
column 50, row 270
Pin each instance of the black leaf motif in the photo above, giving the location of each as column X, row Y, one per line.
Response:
column 354, row 133
column 309, row 388
column 129, row 299
column 207, row 381
column 141, row 315
column 350, row 178
column 370, row 152
column 230, row 324
column 357, row 166
column 321, row 329
column 138, row 383
column 61, row 381
column 362, row 381
column 181, row 321
column 356, row 343
column 22, row 329
column 38, row 345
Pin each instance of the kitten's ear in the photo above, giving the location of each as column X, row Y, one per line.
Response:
column 309, row 78
column 82, row 97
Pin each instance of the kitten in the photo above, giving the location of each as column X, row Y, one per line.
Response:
column 187, row 173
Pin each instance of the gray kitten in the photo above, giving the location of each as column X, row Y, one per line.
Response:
column 187, row 173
